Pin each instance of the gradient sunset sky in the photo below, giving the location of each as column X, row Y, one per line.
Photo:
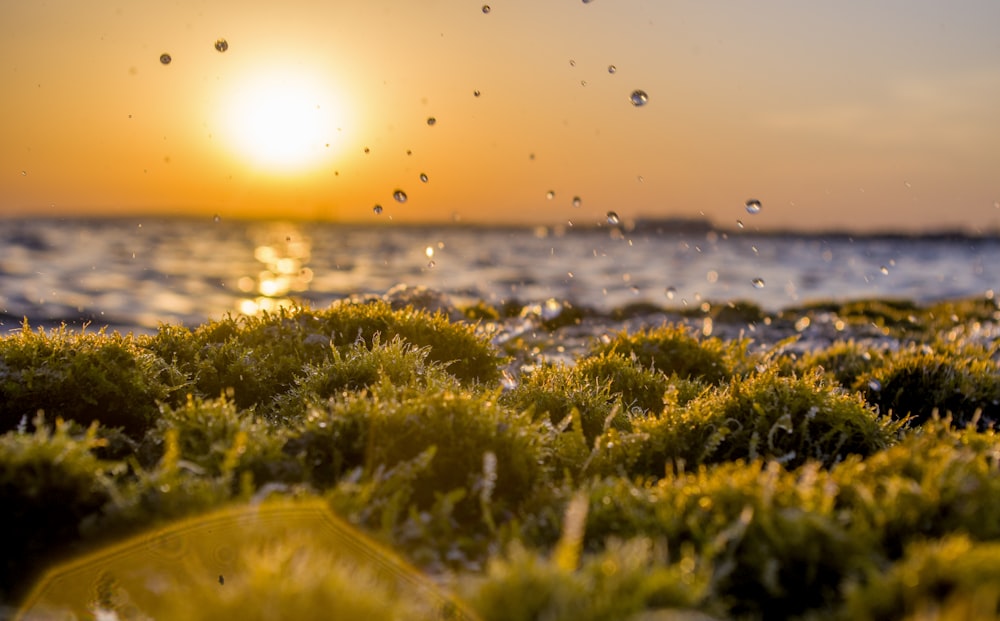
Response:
column 850, row 115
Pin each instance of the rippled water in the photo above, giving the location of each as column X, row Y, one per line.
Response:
column 135, row 274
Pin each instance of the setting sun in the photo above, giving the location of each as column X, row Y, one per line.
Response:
column 282, row 122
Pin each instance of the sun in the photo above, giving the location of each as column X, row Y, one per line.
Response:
column 283, row 122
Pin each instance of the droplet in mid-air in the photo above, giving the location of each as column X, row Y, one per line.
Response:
column 758, row 283
column 671, row 292
column 400, row 196
column 486, row 8
column 753, row 206
column 165, row 59
column 638, row 98
column 739, row 224
column 423, row 177
column 367, row 150
column 377, row 209
column 613, row 218
column 431, row 120
column 476, row 93
column 577, row 201
column 550, row 194
column 222, row 45
column 884, row 270
column 612, row 69
column 216, row 218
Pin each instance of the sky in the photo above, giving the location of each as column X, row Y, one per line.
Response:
column 853, row 115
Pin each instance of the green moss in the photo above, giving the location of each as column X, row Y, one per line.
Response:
column 844, row 362
column 50, row 484
column 674, row 350
column 960, row 379
column 641, row 390
column 80, row 376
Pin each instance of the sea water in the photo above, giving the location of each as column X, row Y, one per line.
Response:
column 133, row 274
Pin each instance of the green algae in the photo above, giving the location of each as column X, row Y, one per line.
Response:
column 712, row 480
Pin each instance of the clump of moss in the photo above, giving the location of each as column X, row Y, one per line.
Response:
column 674, row 350
column 950, row 578
column 260, row 357
column 50, row 484
column 845, row 362
column 641, row 390
column 960, row 379
column 766, row 415
column 625, row 579
column 80, row 376
column 556, row 392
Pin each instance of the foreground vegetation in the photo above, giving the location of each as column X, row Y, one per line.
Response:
column 661, row 471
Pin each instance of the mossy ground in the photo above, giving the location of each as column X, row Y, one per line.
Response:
column 659, row 470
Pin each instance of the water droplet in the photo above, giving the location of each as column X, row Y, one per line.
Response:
column 486, row 8
column 222, row 45
column 884, row 270
column 739, row 224
column 550, row 195
column 24, row 173
column 612, row 69
column 753, row 206
column 671, row 292
column 377, row 209
column 634, row 289
column 367, row 150
column 431, row 264
column 431, row 120
column 576, row 201
column 476, row 93
column 875, row 385
column 583, row 82
column 429, row 251
column 758, row 283
column 400, row 196
column 423, row 177
column 165, row 59
column 638, row 98
column 216, row 218
column 572, row 63
column 907, row 184
column 613, row 218
column 587, row 1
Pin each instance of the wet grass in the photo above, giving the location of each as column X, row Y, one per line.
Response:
column 659, row 470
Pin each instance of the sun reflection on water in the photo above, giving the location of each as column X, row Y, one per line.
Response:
column 284, row 252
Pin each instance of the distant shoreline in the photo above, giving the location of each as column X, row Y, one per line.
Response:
column 674, row 227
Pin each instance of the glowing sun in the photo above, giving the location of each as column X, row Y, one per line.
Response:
column 285, row 123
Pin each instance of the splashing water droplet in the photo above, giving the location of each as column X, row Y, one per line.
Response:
column 24, row 173
column 367, row 150
column 431, row 121
column 638, row 98
column 613, row 218
column 431, row 265
column 550, row 195
column 476, row 93
column 875, row 385
column 884, row 270
column 576, row 201
column 423, row 177
column 486, row 8
column 222, row 45
column 377, row 209
column 400, row 196
column 739, row 224
column 572, row 63
column 612, row 69
column 165, row 59
column 429, row 251
column 216, row 218
column 671, row 292
column 758, row 283
column 753, row 206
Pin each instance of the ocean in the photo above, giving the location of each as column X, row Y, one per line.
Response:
column 134, row 274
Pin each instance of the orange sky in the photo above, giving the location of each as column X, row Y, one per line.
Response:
column 849, row 115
